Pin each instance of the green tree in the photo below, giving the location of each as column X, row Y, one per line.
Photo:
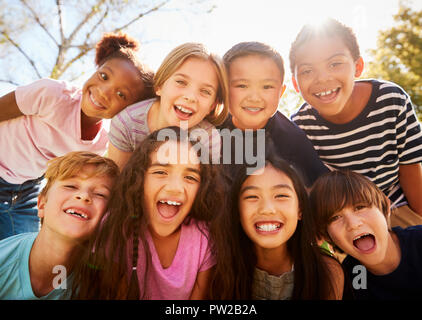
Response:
column 398, row 56
column 54, row 38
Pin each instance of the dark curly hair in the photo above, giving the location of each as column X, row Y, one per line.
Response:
column 122, row 46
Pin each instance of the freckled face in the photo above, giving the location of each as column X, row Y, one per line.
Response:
column 73, row 207
column 269, row 208
column 115, row 85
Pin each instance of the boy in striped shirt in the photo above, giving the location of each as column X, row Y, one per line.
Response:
column 368, row 126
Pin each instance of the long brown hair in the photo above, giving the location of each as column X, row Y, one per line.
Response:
column 105, row 273
column 237, row 259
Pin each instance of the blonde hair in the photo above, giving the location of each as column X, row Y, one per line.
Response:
column 178, row 56
column 69, row 165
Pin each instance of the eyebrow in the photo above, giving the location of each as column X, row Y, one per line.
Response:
column 277, row 186
column 247, row 80
column 157, row 164
column 329, row 58
column 204, row 83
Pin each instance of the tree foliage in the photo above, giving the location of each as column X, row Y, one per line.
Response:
column 53, row 38
column 398, row 56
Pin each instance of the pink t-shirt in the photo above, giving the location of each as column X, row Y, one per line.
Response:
column 50, row 127
column 176, row 282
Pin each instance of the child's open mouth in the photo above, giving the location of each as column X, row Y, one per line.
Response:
column 182, row 112
column 168, row 209
column 328, row 95
column 268, row 227
column 365, row 243
column 76, row 213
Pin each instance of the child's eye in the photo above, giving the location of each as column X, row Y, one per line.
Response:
column 206, row 92
column 121, row 95
column 103, row 75
column 241, row 86
column 335, row 64
column 250, row 197
column 360, row 207
column 101, row 195
column 333, row 218
column 281, row 196
column 268, row 86
column 159, row 172
column 181, row 82
column 192, row 178
column 306, row 72
column 70, row 186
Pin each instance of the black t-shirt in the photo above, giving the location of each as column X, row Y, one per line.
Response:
column 286, row 139
column 404, row 283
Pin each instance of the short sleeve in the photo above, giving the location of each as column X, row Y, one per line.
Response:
column 119, row 134
column 39, row 96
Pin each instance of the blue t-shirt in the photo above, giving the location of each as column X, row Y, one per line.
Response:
column 15, row 282
column 405, row 282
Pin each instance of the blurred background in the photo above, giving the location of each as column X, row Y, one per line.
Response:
column 56, row 38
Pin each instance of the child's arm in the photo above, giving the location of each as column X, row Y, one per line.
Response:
column 200, row 289
column 410, row 177
column 8, row 107
column 119, row 156
column 336, row 277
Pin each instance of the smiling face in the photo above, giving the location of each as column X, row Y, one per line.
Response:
column 269, row 208
column 115, row 85
column 362, row 232
column 255, row 87
column 324, row 74
column 73, row 207
column 170, row 187
column 189, row 94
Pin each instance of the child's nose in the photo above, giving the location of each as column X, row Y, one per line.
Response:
column 174, row 185
column 267, row 207
column 189, row 95
column 353, row 221
column 83, row 196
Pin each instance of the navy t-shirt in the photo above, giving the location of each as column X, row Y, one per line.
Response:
column 405, row 282
column 288, row 141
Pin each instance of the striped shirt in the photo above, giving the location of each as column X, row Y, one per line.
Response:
column 129, row 128
column 383, row 136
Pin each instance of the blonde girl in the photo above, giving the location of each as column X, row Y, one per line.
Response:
column 191, row 88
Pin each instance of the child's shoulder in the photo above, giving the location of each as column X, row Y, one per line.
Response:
column 384, row 87
column 412, row 234
column 11, row 247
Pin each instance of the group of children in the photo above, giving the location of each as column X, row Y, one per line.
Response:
column 153, row 220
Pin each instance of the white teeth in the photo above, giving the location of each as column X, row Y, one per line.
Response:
column 361, row 236
column 324, row 93
column 268, row 227
column 73, row 212
column 172, row 203
column 95, row 101
column 183, row 109
column 252, row 109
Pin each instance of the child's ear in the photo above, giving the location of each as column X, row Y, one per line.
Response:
column 158, row 92
column 41, row 205
column 299, row 216
column 295, row 84
column 359, row 64
column 283, row 89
